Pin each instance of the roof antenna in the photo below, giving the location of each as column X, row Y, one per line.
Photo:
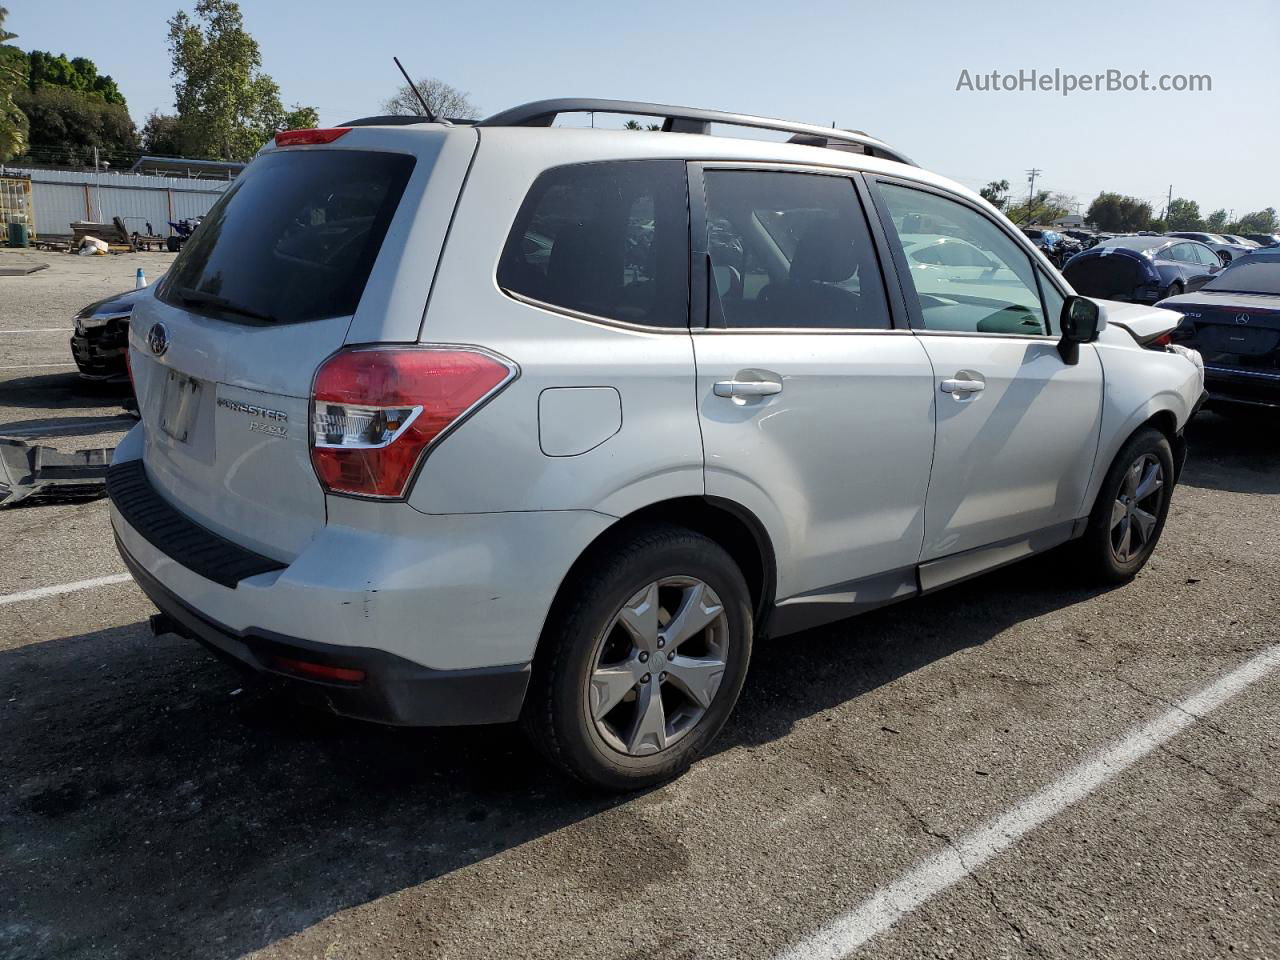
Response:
column 431, row 117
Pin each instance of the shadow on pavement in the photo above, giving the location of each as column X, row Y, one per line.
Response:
column 1237, row 452
column 148, row 810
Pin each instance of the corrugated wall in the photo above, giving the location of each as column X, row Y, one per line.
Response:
column 61, row 196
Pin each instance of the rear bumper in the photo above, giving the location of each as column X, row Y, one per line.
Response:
column 1259, row 388
column 393, row 691
column 425, row 604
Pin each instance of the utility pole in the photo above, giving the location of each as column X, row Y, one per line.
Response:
column 1167, row 205
column 1031, row 190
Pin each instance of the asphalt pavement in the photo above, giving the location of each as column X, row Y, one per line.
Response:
column 1021, row 766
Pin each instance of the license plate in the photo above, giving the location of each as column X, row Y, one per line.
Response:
column 179, row 404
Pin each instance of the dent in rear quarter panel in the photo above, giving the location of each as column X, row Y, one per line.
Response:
column 493, row 462
column 1139, row 383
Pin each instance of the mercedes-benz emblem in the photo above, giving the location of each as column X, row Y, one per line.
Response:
column 1242, row 318
column 158, row 338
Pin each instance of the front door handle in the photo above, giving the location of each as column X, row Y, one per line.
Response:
column 956, row 385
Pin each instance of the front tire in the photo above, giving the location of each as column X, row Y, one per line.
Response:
column 1131, row 509
column 641, row 661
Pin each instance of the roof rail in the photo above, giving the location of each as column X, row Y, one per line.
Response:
column 542, row 113
column 404, row 119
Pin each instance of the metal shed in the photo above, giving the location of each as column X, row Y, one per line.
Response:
column 61, row 196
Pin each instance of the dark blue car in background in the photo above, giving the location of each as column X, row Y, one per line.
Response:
column 1142, row 269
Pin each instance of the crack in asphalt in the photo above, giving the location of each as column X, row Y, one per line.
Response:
column 988, row 891
column 1218, row 778
column 1157, row 698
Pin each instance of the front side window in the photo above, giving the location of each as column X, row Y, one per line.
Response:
column 790, row 250
column 606, row 239
column 995, row 293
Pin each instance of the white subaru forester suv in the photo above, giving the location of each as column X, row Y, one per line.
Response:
column 465, row 423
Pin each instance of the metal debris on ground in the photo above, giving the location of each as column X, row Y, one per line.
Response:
column 44, row 473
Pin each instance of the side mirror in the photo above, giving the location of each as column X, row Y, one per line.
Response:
column 1080, row 322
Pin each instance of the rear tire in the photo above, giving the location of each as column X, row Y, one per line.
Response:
column 172, row 244
column 1174, row 290
column 1131, row 508
column 641, row 661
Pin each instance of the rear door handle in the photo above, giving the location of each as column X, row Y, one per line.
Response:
column 749, row 383
column 962, row 386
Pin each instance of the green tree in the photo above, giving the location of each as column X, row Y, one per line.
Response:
column 81, row 74
column 301, row 118
column 226, row 106
column 1183, row 215
column 1260, row 221
column 13, row 77
column 1114, row 213
column 996, row 193
column 444, row 100
column 66, row 125
column 1045, row 207
column 160, row 136
column 1216, row 223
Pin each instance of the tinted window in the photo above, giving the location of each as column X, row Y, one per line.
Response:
column 1002, row 297
column 1259, row 273
column 293, row 239
column 606, row 239
column 791, row 250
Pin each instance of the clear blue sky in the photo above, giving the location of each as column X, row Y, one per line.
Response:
column 888, row 68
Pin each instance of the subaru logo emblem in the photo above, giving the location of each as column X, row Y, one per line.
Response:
column 158, row 339
column 1242, row 318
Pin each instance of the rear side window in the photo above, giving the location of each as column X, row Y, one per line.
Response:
column 293, row 239
column 606, row 239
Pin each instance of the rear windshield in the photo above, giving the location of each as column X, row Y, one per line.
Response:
column 1256, row 274
column 293, row 239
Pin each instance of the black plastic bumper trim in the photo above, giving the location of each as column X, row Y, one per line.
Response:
column 199, row 550
column 395, row 691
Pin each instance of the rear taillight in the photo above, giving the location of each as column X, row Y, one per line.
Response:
column 376, row 411
column 299, row 138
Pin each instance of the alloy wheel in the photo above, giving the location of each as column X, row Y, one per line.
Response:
column 1137, row 507
column 657, row 666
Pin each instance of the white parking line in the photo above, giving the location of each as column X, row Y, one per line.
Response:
column 29, row 366
column 889, row 904
column 61, row 588
column 40, row 330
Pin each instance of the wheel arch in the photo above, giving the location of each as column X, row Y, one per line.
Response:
column 726, row 522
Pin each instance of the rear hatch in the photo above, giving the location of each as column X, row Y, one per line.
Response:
column 280, row 274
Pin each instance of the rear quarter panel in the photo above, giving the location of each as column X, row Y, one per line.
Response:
column 496, row 461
